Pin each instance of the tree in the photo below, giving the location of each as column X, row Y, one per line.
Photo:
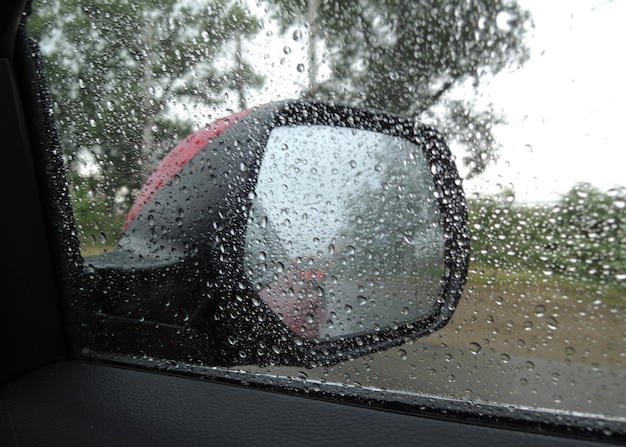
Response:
column 590, row 235
column 242, row 76
column 405, row 57
column 581, row 238
column 118, row 71
column 506, row 235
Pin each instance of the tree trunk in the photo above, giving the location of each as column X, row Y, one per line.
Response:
column 313, row 8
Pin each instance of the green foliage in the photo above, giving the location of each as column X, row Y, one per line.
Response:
column 590, row 234
column 116, row 71
column 98, row 225
column 582, row 238
column 404, row 57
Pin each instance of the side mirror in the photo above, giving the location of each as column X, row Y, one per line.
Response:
column 297, row 233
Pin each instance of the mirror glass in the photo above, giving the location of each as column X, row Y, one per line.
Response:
column 344, row 233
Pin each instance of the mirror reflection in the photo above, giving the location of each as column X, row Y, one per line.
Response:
column 344, row 232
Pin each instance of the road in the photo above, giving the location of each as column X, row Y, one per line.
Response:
column 538, row 349
column 482, row 376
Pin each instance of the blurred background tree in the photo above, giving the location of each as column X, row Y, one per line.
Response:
column 405, row 57
column 581, row 238
column 117, row 73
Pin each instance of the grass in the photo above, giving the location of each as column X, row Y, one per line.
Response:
column 587, row 289
column 93, row 250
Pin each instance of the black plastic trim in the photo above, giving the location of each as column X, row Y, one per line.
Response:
column 28, row 312
column 73, row 404
column 571, row 425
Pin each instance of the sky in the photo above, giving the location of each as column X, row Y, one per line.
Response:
column 565, row 107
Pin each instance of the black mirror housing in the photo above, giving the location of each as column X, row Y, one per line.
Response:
column 179, row 284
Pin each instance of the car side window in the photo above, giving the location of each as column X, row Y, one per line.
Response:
column 425, row 198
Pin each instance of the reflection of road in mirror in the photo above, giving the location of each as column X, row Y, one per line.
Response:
column 296, row 298
column 356, row 305
column 344, row 234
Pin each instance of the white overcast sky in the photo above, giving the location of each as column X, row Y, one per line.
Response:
column 566, row 106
